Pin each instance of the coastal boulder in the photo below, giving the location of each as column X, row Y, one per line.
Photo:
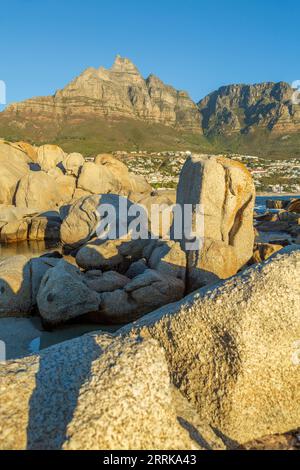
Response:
column 136, row 268
column 83, row 218
column 129, row 182
column 100, row 254
column 31, row 227
column 14, row 164
column 139, row 184
column 111, row 162
column 79, row 225
column 224, row 192
column 19, row 282
column 15, row 231
column 10, row 213
column 141, row 295
column 110, row 395
column 233, row 348
column 15, row 286
column 49, row 156
column 169, row 258
column 44, row 227
column 41, row 191
column 73, row 163
column 98, row 179
column 63, row 294
column 105, row 282
column 29, row 149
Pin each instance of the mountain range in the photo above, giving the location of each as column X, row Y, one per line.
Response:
column 116, row 108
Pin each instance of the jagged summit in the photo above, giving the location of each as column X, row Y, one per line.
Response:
column 124, row 65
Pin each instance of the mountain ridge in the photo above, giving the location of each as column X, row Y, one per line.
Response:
column 101, row 98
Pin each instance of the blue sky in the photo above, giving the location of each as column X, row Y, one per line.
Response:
column 194, row 45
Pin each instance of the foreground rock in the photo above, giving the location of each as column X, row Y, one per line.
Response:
column 230, row 349
column 225, row 191
column 96, row 393
column 234, row 350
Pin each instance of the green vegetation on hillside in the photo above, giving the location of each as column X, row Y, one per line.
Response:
column 100, row 135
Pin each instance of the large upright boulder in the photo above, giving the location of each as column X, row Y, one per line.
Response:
column 233, row 348
column 14, row 164
column 225, row 191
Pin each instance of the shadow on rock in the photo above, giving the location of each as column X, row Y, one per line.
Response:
column 62, row 372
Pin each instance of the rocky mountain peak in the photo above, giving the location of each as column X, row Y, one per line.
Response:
column 117, row 92
column 124, row 65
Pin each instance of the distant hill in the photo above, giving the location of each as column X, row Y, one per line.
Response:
column 116, row 108
column 244, row 109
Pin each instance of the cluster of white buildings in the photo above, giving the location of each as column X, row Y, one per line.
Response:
column 162, row 169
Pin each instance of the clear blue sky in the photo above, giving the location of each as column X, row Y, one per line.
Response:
column 194, row 45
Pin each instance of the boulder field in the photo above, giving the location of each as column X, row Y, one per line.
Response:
column 37, row 181
column 144, row 274
column 212, row 371
column 206, row 349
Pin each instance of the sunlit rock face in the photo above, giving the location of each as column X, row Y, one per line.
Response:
column 246, row 108
column 118, row 92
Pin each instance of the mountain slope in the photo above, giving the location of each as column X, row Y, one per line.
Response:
column 247, row 108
